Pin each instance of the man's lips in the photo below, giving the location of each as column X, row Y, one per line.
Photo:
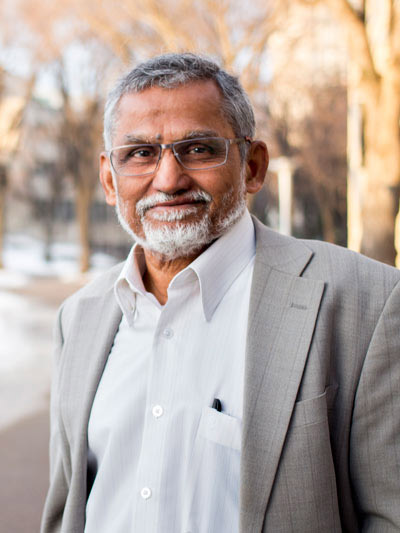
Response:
column 159, row 202
column 178, row 203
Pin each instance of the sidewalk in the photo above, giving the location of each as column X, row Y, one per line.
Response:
column 24, row 474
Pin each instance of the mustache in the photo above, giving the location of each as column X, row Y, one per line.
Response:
column 143, row 205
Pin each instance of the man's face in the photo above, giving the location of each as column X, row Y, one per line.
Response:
column 176, row 212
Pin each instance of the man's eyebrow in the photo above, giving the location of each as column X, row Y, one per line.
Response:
column 137, row 139
column 130, row 138
column 199, row 134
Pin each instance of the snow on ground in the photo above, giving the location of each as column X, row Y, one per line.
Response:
column 25, row 255
column 26, row 323
column 25, row 356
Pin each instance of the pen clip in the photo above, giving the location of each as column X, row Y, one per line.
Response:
column 217, row 405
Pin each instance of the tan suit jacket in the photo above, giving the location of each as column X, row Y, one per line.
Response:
column 321, row 422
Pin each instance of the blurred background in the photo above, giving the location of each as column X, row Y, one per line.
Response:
column 324, row 79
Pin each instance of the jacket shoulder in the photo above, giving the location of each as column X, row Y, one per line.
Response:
column 330, row 263
column 333, row 261
column 95, row 288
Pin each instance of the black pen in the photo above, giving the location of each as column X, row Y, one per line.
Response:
column 217, row 405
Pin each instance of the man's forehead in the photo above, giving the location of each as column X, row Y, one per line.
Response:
column 164, row 115
column 158, row 100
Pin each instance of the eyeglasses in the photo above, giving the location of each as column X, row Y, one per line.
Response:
column 193, row 154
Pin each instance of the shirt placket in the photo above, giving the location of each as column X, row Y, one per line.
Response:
column 160, row 385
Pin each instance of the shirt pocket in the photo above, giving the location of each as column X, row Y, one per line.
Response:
column 212, row 483
column 220, row 428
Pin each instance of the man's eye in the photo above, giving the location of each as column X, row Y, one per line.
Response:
column 199, row 149
column 141, row 152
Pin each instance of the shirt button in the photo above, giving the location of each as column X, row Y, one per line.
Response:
column 145, row 493
column 168, row 333
column 157, row 411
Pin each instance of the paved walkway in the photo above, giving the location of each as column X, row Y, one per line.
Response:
column 24, row 474
column 27, row 313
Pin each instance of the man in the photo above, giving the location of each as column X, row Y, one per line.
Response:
column 225, row 378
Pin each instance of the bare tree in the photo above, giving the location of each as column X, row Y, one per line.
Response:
column 3, row 183
column 11, row 113
column 136, row 29
column 3, row 188
column 374, row 77
column 315, row 143
column 80, row 137
column 322, row 160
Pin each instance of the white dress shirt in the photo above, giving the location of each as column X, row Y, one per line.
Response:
column 167, row 462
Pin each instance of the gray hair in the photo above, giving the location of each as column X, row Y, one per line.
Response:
column 171, row 70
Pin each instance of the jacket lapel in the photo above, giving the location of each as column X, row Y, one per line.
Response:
column 94, row 327
column 283, row 312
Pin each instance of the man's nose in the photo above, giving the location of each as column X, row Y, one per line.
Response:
column 170, row 176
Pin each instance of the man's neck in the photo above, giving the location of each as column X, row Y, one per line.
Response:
column 160, row 271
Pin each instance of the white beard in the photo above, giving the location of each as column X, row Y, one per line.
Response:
column 183, row 238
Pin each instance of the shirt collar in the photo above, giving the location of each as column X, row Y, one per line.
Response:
column 216, row 269
column 219, row 266
column 130, row 283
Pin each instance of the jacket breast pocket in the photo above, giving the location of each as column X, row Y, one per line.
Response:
column 312, row 410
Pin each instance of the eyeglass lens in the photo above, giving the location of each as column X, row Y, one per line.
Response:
column 193, row 154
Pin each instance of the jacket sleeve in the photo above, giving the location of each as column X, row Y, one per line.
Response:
column 59, row 457
column 375, row 433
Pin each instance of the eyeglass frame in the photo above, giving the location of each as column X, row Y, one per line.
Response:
column 163, row 147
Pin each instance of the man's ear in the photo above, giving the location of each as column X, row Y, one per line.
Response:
column 256, row 166
column 106, row 180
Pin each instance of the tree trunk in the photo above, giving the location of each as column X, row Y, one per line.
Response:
column 82, row 202
column 328, row 224
column 49, row 232
column 380, row 194
column 374, row 81
column 2, row 224
column 3, row 191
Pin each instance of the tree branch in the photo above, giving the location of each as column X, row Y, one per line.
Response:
column 357, row 31
column 309, row 3
column 364, row 6
column 118, row 42
column 160, row 19
column 219, row 9
column 394, row 32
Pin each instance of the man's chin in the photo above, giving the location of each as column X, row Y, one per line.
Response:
column 175, row 239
